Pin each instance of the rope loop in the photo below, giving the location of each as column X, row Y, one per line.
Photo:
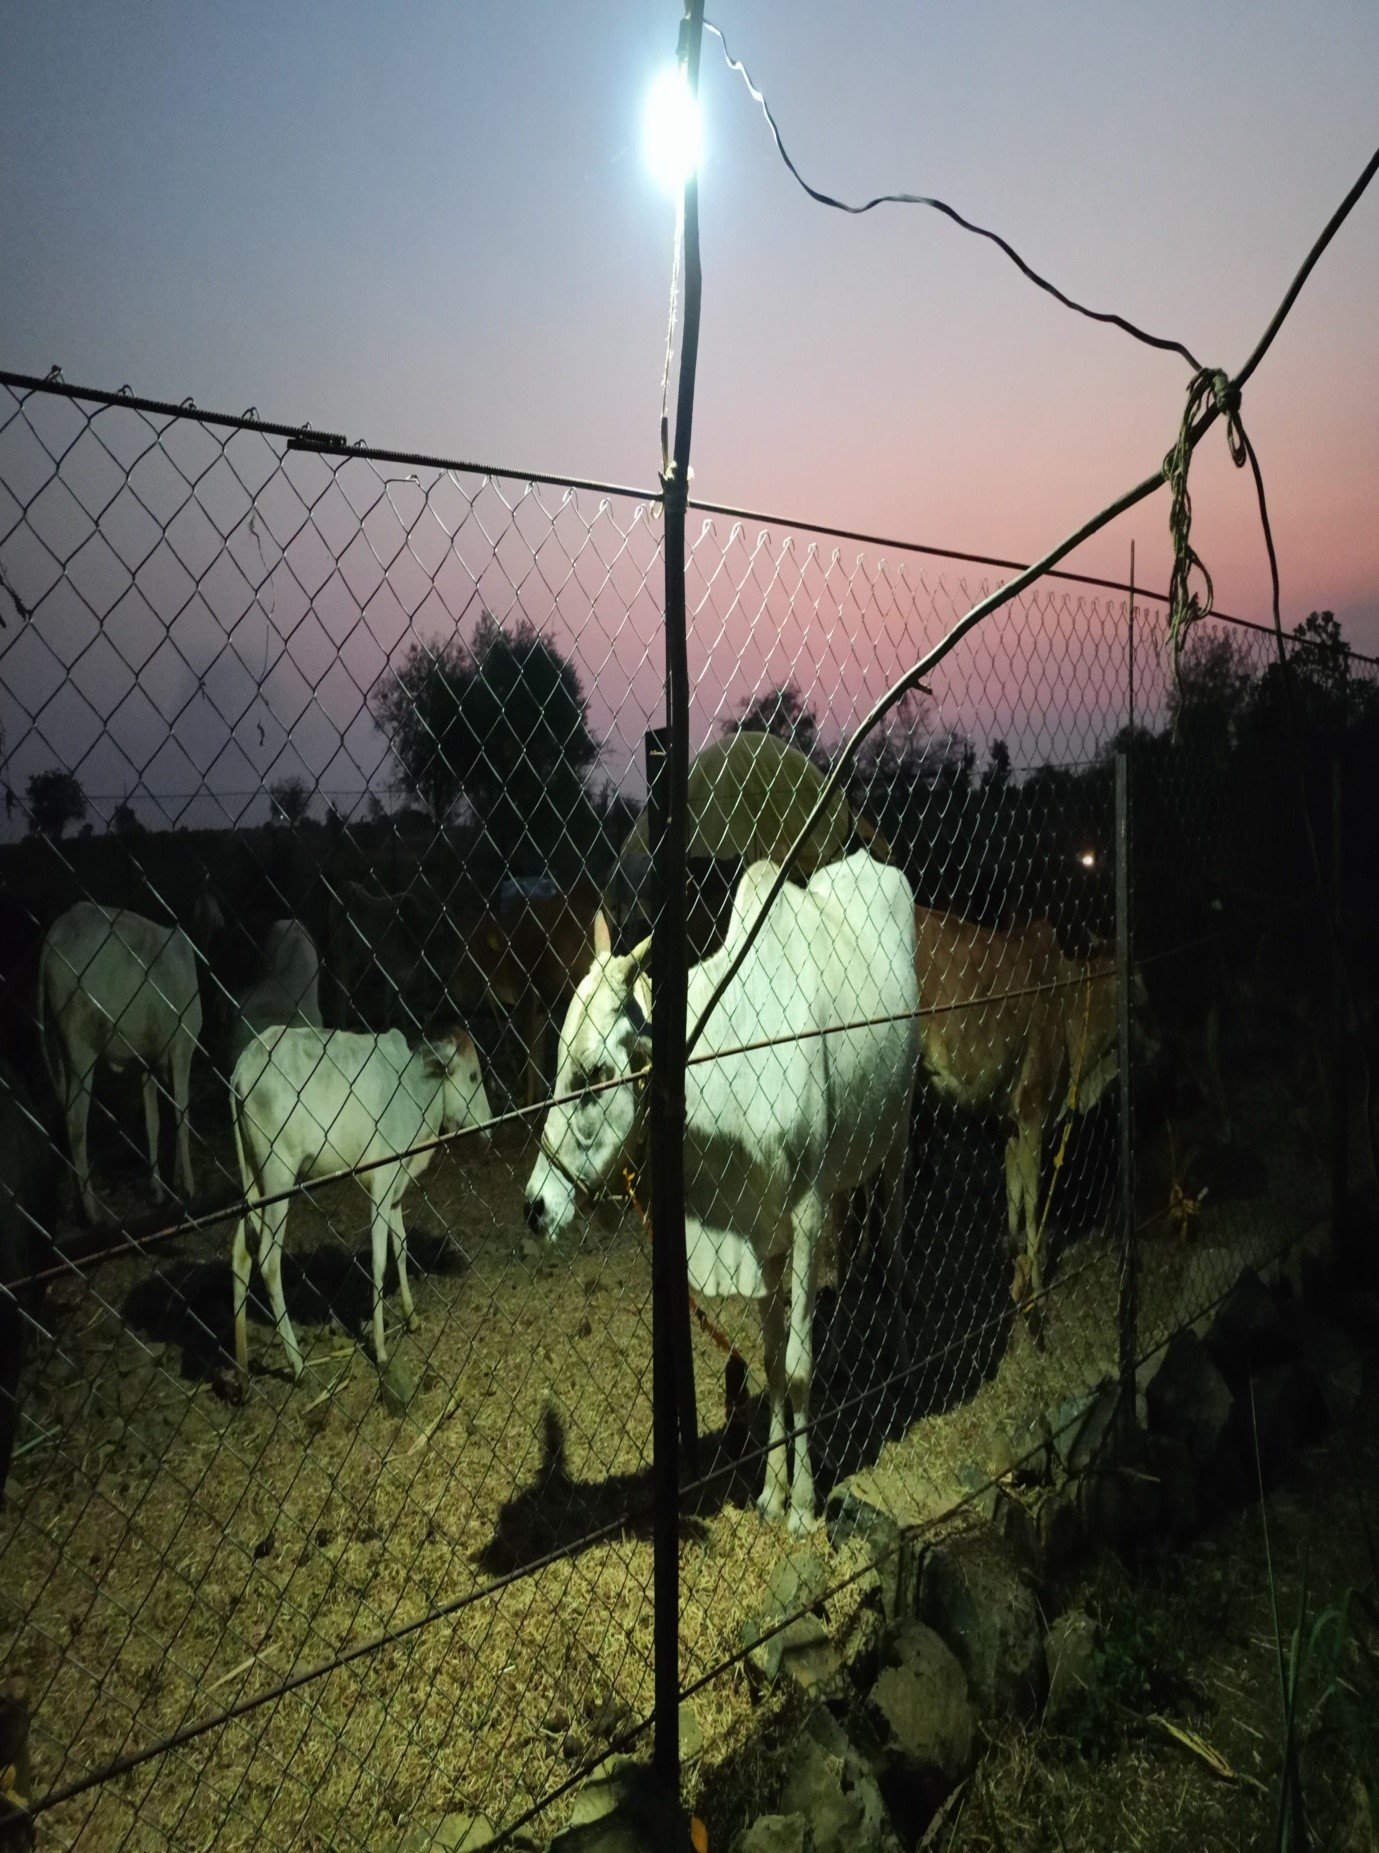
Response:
column 1186, row 603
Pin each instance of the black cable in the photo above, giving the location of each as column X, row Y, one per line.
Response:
column 949, row 212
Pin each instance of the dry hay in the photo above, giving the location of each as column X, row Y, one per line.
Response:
column 163, row 1554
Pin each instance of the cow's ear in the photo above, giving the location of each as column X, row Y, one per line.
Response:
column 603, row 938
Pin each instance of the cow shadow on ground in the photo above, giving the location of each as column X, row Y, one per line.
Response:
column 189, row 1303
column 556, row 1515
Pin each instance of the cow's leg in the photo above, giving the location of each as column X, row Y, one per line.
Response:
column 893, row 1234
column 151, row 1128
column 239, row 1262
column 399, row 1235
column 180, row 1066
column 772, row 1498
column 1015, row 1193
column 272, row 1228
column 78, row 1104
column 1031, row 1163
column 379, row 1226
column 799, row 1355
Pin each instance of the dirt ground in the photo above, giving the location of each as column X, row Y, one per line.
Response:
column 165, row 1554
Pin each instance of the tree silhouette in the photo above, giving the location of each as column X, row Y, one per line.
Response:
column 785, row 713
column 56, row 799
column 289, row 801
column 502, row 724
column 124, row 820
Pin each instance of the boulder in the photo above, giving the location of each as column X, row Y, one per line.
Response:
column 1168, row 1459
column 801, row 1653
column 1083, row 1427
column 1336, row 1366
column 1072, row 1654
column 849, row 1517
column 799, row 1581
column 1252, row 1329
column 1057, row 1528
column 1278, row 1407
column 773, row 1833
column 1033, row 1448
column 918, row 1722
column 972, row 1595
column 1187, row 1397
column 833, row 1787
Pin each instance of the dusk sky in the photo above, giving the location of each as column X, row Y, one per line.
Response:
column 432, row 226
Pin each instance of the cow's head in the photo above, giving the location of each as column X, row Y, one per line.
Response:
column 605, row 1041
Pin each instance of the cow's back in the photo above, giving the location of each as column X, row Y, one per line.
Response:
column 342, row 1088
column 805, row 1108
column 983, row 996
column 119, row 982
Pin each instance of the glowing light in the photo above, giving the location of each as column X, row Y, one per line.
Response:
column 1088, row 858
column 673, row 129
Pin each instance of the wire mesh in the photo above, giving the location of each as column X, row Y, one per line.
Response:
column 358, row 744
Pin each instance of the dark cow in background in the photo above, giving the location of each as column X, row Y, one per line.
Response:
column 1044, row 1045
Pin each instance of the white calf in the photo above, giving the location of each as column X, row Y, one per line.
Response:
column 288, row 991
column 114, row 986
column 306, row 1103
column 773, row 1134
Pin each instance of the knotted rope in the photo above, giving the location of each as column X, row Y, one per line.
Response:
column 1185, row 606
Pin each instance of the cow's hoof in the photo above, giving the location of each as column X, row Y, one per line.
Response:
column 770, row 1508
column 804, row 1525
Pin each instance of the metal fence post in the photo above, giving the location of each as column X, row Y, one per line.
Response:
column 669, row 972
column 1128, row 1309
column 1340, row 1093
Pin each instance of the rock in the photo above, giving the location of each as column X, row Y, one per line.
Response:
column 798, row 1581
column 801, row 1652
column 1083, row 1426
column 532, row 1251
column 918, row 1722
column 971, row 1594
column 1250, row 1331
column 604, row 1791
column 1168, row 1459
column 1275, row 1408
column 1014, row 1524
column 1000, row 1456
column 773, row 1833
column 1187, row 1397
column 1072, row 1654
column 1357, row 1310
column 1336, row 1366
column 398, row 1387
column 1058, row 1528
column 456, row 1833
column 1033, row 1448
column 983, row 1495
column 830, row 1784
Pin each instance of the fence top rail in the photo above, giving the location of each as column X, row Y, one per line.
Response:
column 335, row 444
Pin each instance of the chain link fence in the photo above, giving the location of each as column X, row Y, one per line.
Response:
column 324, row 771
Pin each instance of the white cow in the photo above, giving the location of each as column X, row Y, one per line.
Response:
column 307, row 1102
column 288, row 991
column 114, row 986
column 772, row 1135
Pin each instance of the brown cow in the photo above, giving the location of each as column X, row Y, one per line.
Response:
column 528, row 957
column 1044, row 1045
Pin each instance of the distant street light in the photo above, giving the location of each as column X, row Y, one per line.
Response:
column 673, row 129
column 1088, row 858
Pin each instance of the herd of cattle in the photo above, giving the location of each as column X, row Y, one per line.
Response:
column 848, row 998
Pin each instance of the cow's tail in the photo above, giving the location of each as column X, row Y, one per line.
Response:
column 47, row 1032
